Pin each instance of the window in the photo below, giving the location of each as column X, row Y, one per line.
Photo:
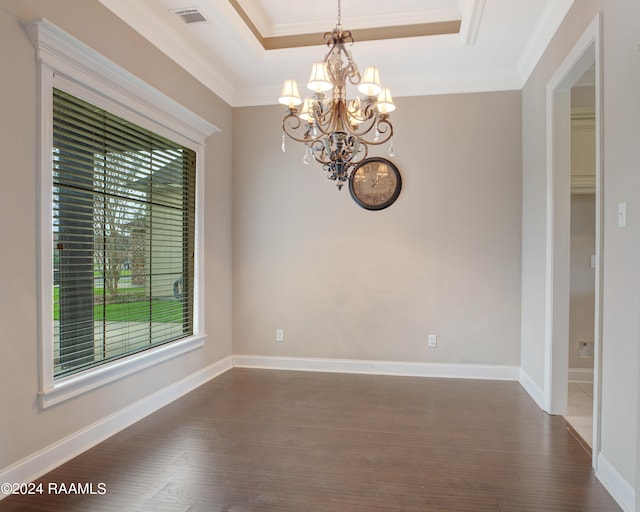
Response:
column 123, row 236
column 121, row 185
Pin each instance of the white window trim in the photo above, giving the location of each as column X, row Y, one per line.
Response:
column 68, row 64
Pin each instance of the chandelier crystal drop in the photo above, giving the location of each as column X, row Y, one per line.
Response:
column 337, row 132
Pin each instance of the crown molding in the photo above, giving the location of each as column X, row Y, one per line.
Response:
column 138, row 16
column 471, row 16
column 587, row 114
column 546, row 27
column 449, row 84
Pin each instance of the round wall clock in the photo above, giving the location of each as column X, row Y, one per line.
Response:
column 375, row 183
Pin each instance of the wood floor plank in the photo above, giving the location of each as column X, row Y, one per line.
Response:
column 263, row 440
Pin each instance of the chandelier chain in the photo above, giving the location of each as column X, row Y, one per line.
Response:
column 339, row 23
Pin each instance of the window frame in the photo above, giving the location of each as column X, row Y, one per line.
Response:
column 68, row 64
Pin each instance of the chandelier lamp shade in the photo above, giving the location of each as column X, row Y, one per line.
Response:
column 337, row 132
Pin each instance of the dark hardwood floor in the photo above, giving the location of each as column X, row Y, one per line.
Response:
column 261, row 440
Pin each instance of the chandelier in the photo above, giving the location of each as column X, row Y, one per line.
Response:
column 337, row 132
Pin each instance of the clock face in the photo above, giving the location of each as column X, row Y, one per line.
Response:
column 375, row 183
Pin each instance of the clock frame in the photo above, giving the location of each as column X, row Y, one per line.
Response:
column 375, row 183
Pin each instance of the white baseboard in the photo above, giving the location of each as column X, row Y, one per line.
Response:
column 459, row 371
column 619, row 488
column 43, row 461
column 532, row 388
column 580, row 374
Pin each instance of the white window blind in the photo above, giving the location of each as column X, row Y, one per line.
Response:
column 123, row 237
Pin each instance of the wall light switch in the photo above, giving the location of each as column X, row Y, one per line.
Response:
column 622, row 215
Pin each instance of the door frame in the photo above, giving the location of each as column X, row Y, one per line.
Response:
column 586, row 52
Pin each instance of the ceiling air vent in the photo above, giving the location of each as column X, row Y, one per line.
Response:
column 191, row 15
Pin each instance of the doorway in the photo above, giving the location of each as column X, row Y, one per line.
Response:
column 582, row 242
column 585, row 57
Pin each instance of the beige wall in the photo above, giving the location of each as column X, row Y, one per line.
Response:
column 621, row 301
column 24, row 428
column 344, row 282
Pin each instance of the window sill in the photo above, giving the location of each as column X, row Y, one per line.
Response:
column 74, row 385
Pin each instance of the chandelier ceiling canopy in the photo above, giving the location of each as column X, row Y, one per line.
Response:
column 336, row 131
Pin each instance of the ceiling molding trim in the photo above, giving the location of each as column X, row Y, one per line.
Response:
column 471, row 17
column 354, row 23
column 402, row 26
column 583, row 117
column 257, row 96
column 385, row 34
column 252, row 14
column 363, row 47
column 489, row 82
column 311, row 34
column 137, row 15
column 250, row 33
column 544, row 30
column 583, row 183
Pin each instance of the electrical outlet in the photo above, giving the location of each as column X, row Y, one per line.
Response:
column 432, row 340
column 279, row 334
column 585, row 349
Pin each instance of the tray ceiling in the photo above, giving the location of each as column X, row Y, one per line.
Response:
column 244, row 49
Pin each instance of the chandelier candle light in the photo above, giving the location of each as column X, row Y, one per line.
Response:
column 337, row 132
